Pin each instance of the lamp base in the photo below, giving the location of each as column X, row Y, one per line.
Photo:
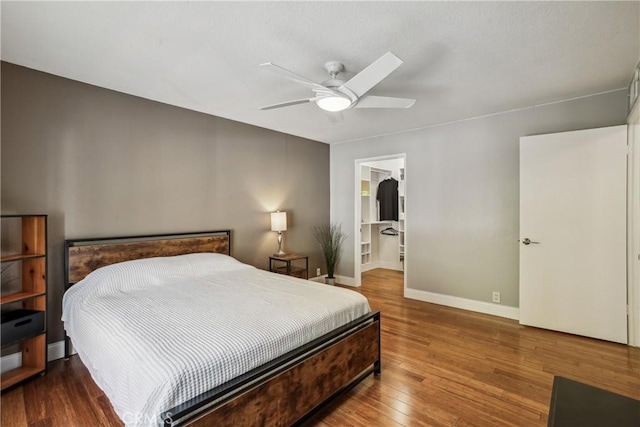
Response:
column 280, row 251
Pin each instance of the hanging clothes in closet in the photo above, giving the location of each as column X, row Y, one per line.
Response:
column 388, row 198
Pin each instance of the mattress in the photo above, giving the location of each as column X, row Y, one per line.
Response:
column 157, row 332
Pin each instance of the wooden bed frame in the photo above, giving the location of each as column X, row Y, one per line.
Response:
column 283, row 392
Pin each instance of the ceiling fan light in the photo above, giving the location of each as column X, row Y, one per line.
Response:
column 333, row 103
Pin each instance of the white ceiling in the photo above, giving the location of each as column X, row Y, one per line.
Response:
column 462, row 59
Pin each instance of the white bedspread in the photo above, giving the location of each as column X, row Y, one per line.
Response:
column 155, row 333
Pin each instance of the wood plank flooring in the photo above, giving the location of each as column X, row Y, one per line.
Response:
column 441, row 367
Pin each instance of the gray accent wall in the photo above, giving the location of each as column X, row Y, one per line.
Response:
column 102, row 163
column 462, row 193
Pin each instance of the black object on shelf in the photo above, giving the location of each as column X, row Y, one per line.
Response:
column 18, row 325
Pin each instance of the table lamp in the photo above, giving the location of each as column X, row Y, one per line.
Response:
column 279, row 224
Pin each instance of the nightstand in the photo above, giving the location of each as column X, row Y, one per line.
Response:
column 290, row 264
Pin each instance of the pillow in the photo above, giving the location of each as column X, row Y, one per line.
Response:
column 141, row 273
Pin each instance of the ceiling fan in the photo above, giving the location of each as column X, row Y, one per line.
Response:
column 335, row 95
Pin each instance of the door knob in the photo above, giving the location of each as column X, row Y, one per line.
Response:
column 527, row 241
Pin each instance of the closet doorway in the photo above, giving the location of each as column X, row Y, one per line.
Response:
column 380, row 218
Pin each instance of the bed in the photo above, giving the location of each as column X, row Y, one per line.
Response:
column 166, row 327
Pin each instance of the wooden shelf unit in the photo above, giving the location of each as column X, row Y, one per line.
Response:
column 19, row 296
column 32, row 294
column 365, row 215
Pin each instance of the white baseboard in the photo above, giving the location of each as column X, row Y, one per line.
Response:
column 10, row 362
column 388, row 265
column 441, row 299
column 55, row 351
column 367, row 267
column 464, row 303
column 319, row 279
column 347, row 281
column 381, row 264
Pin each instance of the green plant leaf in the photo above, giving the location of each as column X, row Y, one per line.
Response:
column 330, row 238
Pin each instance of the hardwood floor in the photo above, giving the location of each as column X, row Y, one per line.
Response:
column 441, row 367
column 447, row 367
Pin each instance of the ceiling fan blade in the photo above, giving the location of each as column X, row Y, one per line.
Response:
column 288, row 74
column 384, row 102
column 288, row 103
column 373, row 74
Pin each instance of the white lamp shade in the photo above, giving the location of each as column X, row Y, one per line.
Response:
column 278, row 221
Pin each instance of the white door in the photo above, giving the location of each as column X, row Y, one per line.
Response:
column 573, row 211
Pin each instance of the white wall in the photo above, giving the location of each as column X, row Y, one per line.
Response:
column 464, row 193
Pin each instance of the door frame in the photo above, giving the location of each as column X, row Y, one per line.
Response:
column 633, row 225
column 357, row 218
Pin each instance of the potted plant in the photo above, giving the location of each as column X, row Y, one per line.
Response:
column 330, row 238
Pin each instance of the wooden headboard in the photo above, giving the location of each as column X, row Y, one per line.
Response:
column 82, row 256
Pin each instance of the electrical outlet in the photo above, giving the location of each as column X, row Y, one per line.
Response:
column 496, row 296
column 318, row 271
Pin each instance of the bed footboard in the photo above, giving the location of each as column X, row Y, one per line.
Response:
column 293, row 387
